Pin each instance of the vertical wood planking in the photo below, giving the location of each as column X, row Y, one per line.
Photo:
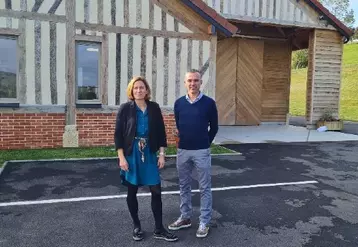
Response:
column 30, row 58
column 22, row 56
column 249, row 81
column 37, row 61
column 45, row 64
column 226, row 78
column 257, row 8
column 278, row 9
column 264, row 8
column 284, row 9
column 70, row 63
column 53, row 59
column 249, row 6
column 112, row 60
column 61, row 62
column 53, row 52
column 166, row 60
column 104, row 16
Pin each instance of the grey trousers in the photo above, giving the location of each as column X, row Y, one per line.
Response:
column 186, row 161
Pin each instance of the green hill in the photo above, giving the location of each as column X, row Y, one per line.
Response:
column 349, row 87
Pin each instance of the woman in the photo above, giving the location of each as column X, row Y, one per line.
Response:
column 139, row 134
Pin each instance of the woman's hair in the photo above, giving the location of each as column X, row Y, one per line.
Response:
column 131, row 86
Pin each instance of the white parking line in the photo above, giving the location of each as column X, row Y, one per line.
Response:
column 175, row 192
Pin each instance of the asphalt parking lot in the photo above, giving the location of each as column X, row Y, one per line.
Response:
column 303, row 194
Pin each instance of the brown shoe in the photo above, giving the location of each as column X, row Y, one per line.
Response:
column 179, row 224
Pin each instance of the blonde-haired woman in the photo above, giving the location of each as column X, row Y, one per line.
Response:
column 139, row 134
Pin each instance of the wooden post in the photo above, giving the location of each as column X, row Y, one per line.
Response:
column 70, row 136
column 70, row 63
column 212, row 68
column 323, row 75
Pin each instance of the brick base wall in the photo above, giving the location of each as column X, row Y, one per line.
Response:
column 31, row 130
column 45, row 130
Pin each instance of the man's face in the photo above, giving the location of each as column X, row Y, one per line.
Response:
column 192, row 82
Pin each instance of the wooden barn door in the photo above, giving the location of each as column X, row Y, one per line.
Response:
column 226, row 64
column 239, row 78
column 249, row 82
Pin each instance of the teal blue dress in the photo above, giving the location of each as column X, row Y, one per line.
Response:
column 141, row 173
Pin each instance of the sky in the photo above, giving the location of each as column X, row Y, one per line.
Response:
column 354, row 6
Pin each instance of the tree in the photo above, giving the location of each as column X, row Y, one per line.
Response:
column 355, row 35
column 340, row 9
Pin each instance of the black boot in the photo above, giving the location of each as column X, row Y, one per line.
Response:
column 137, row 233
column 165, row 235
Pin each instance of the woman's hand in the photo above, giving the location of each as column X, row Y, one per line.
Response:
column 161, row 161
column 123, row 164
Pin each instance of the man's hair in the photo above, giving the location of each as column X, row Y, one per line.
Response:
column 194, row 71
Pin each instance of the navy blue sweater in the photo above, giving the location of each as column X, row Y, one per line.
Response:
column 193, row 120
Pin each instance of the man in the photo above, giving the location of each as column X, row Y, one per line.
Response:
column 194, row 112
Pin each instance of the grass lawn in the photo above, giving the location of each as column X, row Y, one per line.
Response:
column 92, row 152
column 349, row 88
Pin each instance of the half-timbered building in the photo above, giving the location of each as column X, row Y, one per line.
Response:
column 65, row 64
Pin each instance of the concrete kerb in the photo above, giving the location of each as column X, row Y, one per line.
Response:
column 99, row 158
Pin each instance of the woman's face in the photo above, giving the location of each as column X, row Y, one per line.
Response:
column 139, row 90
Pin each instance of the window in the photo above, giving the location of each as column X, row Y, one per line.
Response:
column 88, row 71
column 8, row 67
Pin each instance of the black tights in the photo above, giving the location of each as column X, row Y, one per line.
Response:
column 132, row 203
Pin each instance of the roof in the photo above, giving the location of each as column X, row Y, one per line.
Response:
column 210, row 15
column 229, row 29
column 343, row 29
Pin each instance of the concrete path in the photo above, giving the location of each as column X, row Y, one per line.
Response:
column 348, row 128
column 274, row 195
column 277, row 133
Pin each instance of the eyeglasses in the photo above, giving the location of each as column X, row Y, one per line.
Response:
column 194, row 80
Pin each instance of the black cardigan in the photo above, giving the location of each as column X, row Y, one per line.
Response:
column 126, row 122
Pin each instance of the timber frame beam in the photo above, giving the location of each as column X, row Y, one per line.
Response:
column 185, row 15
column 70, row 63
column 32, row 15
column 140, row 31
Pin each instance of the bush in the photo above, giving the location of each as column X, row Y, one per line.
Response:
column 300, row 59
